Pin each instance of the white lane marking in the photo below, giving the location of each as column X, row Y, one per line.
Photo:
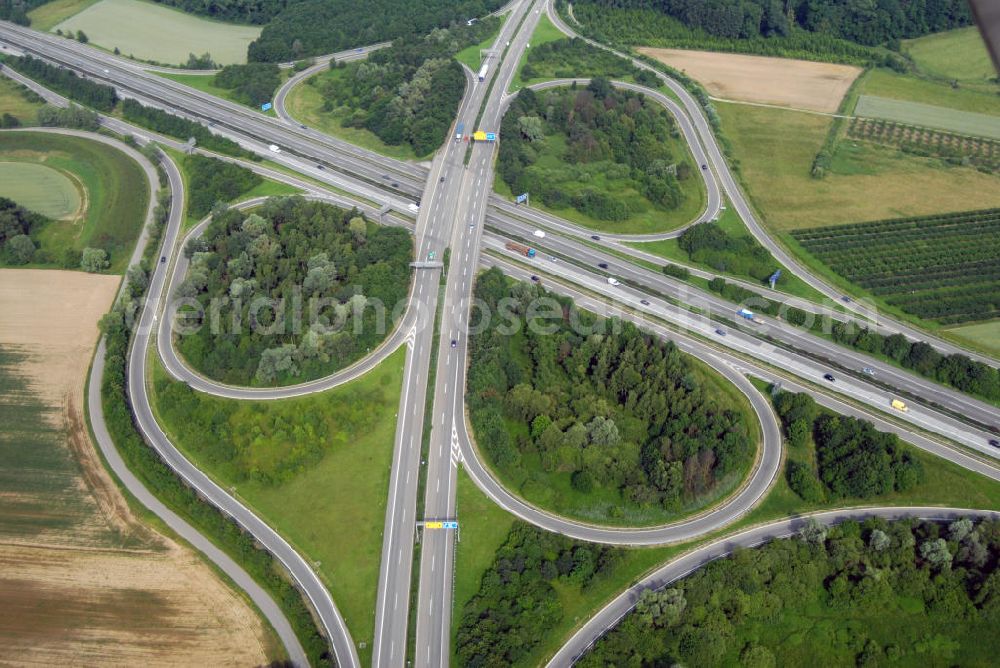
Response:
column 433, row 561
column 395, row 602
column 438, row 485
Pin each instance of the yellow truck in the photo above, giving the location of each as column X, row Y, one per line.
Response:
column 899, row 406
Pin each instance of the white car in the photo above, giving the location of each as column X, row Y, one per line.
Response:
column 613, row 281
column 413, row 207
column 539, row 234
column 274, row 148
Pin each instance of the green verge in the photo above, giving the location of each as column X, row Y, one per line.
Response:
column 545, row 31
column 114, row 188
column 305, row 104
column 206, row 84
column 13, row 101
column 48, row 16
column 332, row 511
column 469, row 56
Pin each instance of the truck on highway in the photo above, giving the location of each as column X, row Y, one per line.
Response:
column 521, row 249
column 483, row 70
column 459, row 131
column 746, row 315
column 900, row 406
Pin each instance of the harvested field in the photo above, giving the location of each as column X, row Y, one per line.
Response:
column 799, row 84
column 83, row 581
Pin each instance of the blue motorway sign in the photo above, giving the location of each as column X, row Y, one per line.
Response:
column 521, row 198
column 266, row 106
column 491, row 136
column 449, row 525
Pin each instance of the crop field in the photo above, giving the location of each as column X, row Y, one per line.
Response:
column 928, row 115
column 954, row 54
column 775, row 149
column 984, row 153
column 84, row 581
column 800, row 84
column 51, row 14
column 42, row 189
column 944, row 268
column 114, row 192
column 152, row 32
column 973, row 97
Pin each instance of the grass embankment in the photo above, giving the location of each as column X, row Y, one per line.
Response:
column 985, row 335
column 206, row 84
column 153, row 32
column 111, row 187
column 544, row 32
column 332, row 510
column 14, row 102
column 305, row 104
column 953, row 55
column 731, row 223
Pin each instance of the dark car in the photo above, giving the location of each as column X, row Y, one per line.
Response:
column 720, row 332
column 320, row 167
column 704, row 166
column 845, row 299
column 163, row 258
column 302, row 126
column 441, row 180
column 994, row 442
column 602, row 265
column 395, row 185
column 534, row 278
column 385, row 176
column 829, row 377
column 644, row 302
column 595, row 237
column 454, row 343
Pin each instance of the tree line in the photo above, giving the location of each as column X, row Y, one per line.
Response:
column 315, row 27
column 252, row 84
column 291, row 251
column 619, row 135
column 711, row 245
column 869, row 23
column 621, row 414
column 516, row 604
column 408, row 94
column 874, row 593
column 181, row 128
column 63, row 81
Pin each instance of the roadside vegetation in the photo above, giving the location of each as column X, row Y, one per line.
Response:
column 574, row 58
column 210, row 181
column 251, row 84
column 609, row 159
column 65, row 82
column 345, row 273
column 309, row 466
column 181, row 128
column 854, row 594
column 616, row 427
column 403, row 99
column 944, row 268
column 94, row 198
column 19, row 104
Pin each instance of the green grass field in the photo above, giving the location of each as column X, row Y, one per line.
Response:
column 982, row 335
column 51, row 14
column 975, row 98
column 927, row 115
column 544, row 32
column 775, row 149
column 305, row 104
column 332, row 511
column 954, row 54
column 13, row 102
column 116, row 190
column 148, row 31
column 41, row 189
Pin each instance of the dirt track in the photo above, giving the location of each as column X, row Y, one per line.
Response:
column 798, row 84
column 95, row 585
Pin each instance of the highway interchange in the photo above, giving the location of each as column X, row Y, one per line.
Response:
column 459, row 212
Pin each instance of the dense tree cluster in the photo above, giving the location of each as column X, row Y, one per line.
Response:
column 624, row 412
column 239, row 11
column 874, row 593
column 568, row 58
column 65, row 82
column 181, row 128
column 711, row 245
column 315, row 27
column 17, row 10
column 408, row 94
column 252, row 84
column 17, row 224
column 615, row 135
column 211, row 181
column 72, row 116
column 324, row 275
column 868, row 22
column 516, row 604
column 853, row 459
